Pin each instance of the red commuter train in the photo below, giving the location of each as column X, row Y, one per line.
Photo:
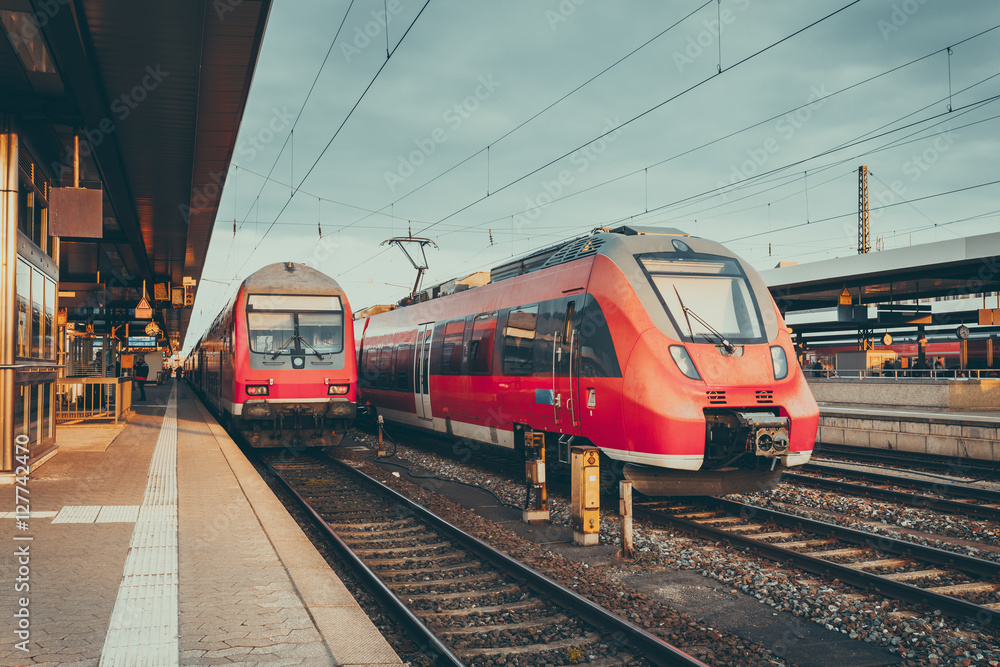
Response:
column 277, row 365
column 664, row 350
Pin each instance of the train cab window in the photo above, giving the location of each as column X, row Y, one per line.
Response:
column 703, row 293
column 300, row 324
column 481, row 346
column 519, row 340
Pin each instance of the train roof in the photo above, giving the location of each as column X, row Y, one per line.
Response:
column 600, row 240
column 291, row 278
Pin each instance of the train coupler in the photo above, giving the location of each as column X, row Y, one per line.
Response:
column 768, row 434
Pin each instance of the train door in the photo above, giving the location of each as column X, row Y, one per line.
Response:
column 565, row 372
column 421, row 371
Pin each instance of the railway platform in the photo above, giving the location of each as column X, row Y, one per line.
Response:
column 969, row 434
column 167, row 548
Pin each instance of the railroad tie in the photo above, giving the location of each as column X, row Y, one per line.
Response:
column 572, row 642
column 801, row 544
column 837, row 553
column 971, row 587
column 884, row 562
column 913, row 576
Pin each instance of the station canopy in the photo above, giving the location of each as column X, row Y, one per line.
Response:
column 156, row 92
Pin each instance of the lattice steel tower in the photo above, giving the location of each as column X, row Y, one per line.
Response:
column 864, row 238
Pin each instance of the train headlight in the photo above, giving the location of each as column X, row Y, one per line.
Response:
column 780, row 362
column 338, row 389
column 684, row 362
column 256, row 390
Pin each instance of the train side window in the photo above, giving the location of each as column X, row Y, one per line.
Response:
column 369, row 364
column 446, row 350
column 385, row 368
column 519, row 340
column 481, row 346
column 404, row 365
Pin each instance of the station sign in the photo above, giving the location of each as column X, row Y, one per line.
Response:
column 142, row 341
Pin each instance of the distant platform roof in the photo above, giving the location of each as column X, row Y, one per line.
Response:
column 956, row 267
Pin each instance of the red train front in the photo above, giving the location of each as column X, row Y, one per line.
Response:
column 278, row 364
column 664, row 350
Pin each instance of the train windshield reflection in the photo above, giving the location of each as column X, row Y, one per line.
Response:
column 715, row 289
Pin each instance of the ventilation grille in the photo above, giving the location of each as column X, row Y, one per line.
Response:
column 765, row 397
column 716, row 397
column 588, row 245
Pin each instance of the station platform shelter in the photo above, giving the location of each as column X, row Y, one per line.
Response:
column 118, row 122
column 162, row 545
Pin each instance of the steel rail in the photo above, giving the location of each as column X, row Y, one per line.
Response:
column 954, row 607
column 972, row 466
column 370, row 579
column 651, row 647
column 941, row 487
column 912, row 499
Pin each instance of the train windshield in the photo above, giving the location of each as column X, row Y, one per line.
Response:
column 287, row 324
column 706, row 293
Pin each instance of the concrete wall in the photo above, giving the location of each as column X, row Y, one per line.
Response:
column 944, row 437
column 944, row 395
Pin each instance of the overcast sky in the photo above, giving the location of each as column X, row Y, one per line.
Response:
column 483, row 131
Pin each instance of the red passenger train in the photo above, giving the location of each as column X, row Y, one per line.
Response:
column 664, row 350
column 277, row 365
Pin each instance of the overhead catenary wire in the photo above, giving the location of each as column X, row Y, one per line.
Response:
column 659, row 105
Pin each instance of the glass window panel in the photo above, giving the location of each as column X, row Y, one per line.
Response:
column 20, row 399
column 293, row 302
column 481, row 346
column 519, row 340
column 323, row 332
column 723, row 302
column 23, row 280
column 37, row 314
column 47, row 412
column 34, row 414
column 270, row 332
column 51, row 335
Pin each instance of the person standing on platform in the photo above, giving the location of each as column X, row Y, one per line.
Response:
column 141, row 370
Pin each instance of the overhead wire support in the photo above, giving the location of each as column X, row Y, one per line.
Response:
column 401, row 242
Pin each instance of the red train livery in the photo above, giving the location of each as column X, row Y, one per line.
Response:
column 277, row 364
column 665, row 351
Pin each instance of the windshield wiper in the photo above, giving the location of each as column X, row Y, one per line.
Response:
column 723, row 341
column 302, row 341
column 280, row 349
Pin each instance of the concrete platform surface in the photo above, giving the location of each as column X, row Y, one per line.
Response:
column 166, row 548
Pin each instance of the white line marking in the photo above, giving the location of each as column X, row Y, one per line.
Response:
column 144, row 623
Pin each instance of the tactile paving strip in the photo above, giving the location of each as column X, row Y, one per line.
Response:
column 144, row 622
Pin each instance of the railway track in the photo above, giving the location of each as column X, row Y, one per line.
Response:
column 953, row 466
column 934, row 495
column 466, row 602
column 960, row 586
